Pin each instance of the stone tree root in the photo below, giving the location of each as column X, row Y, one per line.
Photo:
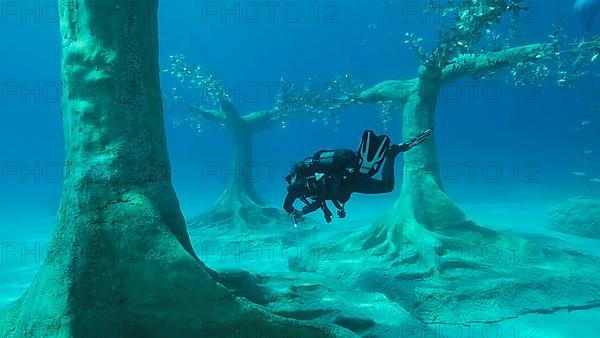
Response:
column 425, row 225
column 120, row 270
column 239, row 211
column 427, row 256
column 427, row 232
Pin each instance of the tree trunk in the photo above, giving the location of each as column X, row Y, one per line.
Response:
column 422, row 189
column 243, row 155
column 239, row 209
column 424, row 219
column 120, row 262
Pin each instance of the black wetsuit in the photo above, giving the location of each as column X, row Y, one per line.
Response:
column 339, row 187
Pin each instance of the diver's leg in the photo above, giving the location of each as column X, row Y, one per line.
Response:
column 387, row 182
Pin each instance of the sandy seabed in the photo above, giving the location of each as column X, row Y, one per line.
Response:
column 24, row 239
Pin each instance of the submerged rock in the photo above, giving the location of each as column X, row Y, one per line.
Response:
column 577, row 216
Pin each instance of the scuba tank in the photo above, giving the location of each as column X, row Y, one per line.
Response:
column 325, row 162
column 335, row 162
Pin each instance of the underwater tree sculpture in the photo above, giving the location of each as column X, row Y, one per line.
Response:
column 239, row 208
column 424, row 214
column 120, row 262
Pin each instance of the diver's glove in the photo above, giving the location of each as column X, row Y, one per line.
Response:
column 297, row 217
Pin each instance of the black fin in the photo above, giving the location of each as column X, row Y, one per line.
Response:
column 372, row 152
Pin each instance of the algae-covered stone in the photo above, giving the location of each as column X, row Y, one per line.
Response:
column 577, row 216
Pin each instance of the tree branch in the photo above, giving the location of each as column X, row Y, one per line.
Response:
column 400, row 90
column 212, row 115
column 393, row 90
column 263, row 119
column 483, row 63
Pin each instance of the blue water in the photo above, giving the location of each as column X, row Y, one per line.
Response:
column 540, row 135
column 365, row 40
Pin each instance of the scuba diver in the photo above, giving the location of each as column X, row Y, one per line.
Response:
column 333, row 175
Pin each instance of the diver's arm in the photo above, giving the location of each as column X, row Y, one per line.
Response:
column 311, row 207
column 323, row 184
column 288, row 204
